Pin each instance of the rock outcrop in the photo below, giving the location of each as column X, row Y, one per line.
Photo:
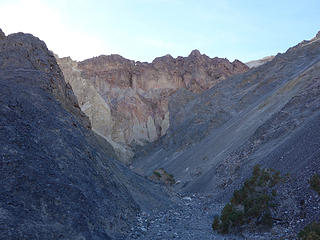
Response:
column 58, row 180
column 259, row 62
column 127, row 101
column 2, row 35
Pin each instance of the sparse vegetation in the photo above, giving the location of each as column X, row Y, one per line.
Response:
column 315, row 183
column 157, row 174
column 250, row 204
column 162, row 176
column 216, row 223
column 310, row 232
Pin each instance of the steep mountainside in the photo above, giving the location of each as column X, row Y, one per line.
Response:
column 58, row 180
column 267, row 115
column 127, row 101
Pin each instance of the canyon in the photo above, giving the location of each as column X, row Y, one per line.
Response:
column 68, row 129
column 127, row 101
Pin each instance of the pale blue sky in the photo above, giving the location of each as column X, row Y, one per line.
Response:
column 144, row 29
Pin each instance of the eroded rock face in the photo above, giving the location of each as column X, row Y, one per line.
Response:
column 127, row 101
column 58, row 180
column 268, row 115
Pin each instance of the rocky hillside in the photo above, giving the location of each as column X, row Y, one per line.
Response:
column 269, row 115
column 266, row 104
column 127, row 101
column 58, row 179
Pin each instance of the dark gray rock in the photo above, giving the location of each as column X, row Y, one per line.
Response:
column 2, row 35
column 176, row 106
column 58, row 180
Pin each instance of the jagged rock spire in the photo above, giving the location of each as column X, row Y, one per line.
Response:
column 195, row 53
column 2, row 35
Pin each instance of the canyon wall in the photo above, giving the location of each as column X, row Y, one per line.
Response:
column 58, row 179
column 127, row 101
column 268, row 115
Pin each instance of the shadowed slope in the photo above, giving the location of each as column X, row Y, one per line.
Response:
column 57, row 180
column 216, row 137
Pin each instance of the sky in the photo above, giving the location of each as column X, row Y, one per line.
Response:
column 142, row 30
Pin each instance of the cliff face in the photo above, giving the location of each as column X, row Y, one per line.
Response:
column 58, row 180
column 127, row 101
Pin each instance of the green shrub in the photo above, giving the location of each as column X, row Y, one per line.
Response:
column 157, row 174
column 216, row 223
column 170, row 179
column 310, row 232
column 230, row 218
column 274, row 193
column 266, row 219
column 251, row 203
column 161, row 175
column 315, row 183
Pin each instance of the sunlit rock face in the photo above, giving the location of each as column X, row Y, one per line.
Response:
column 259, row 62
column 127, row 101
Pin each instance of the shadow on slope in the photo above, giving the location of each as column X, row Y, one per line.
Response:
column 57, row 180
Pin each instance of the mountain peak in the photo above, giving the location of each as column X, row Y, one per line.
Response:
column 165, row 58
column 195, row 53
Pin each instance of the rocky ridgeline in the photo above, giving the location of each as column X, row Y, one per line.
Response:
column 127, row 101
column 268, row 115
column 58, row 179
